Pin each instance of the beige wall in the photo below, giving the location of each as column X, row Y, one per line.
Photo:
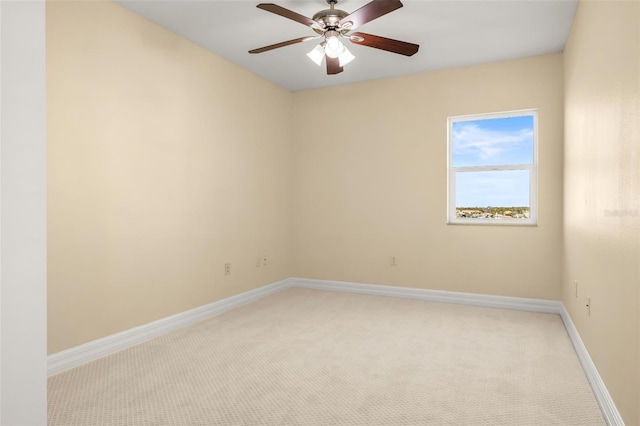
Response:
column 164, row 162
column 370, row 182
column 602, row 187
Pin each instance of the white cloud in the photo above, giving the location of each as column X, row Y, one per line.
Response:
column 471, row 139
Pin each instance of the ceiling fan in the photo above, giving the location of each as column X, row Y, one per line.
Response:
column 333, row 24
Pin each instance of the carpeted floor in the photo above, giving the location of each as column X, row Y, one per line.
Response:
column 307, row 357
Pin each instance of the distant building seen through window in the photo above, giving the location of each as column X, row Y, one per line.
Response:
column 493, row 168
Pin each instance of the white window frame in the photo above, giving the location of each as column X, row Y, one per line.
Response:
column 452, row 218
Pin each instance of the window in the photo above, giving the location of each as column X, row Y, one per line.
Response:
column 493, row 168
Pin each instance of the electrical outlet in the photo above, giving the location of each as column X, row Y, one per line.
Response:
column 575, row 287
column 393, row 261
column 264, row 260
column 258, row 262
column 227, row 269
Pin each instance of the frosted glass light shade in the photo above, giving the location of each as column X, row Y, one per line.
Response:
column 345, row 57
column 316, row 55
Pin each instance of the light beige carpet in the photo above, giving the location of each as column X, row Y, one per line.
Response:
column 307, row 357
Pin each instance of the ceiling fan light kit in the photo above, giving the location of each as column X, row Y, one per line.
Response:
column 333, row 24
column 334, row 47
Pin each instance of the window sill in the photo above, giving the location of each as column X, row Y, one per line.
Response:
column 494, row 222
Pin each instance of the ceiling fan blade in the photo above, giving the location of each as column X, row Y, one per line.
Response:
column 279, row 10
column 370, row 11
column 281, row 44
column 383, row 43
column 333, row 65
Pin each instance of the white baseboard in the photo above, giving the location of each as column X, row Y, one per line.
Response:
column 98, row 348
column 90, row 351
column 484, row 300
column 607, row 406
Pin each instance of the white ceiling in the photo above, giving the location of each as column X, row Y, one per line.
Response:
column 451, row 33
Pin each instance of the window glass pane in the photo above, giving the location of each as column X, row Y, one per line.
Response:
column 493, row 195
column 493, row 142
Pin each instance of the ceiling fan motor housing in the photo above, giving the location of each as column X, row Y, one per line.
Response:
column 330, row 19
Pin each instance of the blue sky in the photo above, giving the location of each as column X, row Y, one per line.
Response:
column 496, row 189
column 498, row 141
